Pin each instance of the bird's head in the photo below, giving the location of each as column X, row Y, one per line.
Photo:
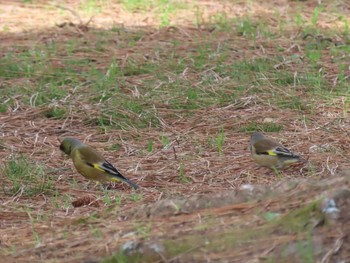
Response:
column 256, row 136
column 69, row 144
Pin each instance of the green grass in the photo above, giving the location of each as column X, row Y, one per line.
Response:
column 35, row 234
column 92, row 7
column 25, row 177
column 136, row 197
column 3, row 108
column 300, row 223
column 66, row 201
column 160, row 5
column 306, row 248
column 114, row 79
column 55, row 113
column 298, row 220
column 150, row 146
column 162, row 9
column 165, row 141
column 220, row 139
column 294, row 102
column 182, row 176
column 314, row 18
column 246, row 27
column 143, row 229
column 220, row 78
column 115, row 147
column 121, row 257
column 296, row 223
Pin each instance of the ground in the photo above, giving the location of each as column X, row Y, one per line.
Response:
column 170, row 92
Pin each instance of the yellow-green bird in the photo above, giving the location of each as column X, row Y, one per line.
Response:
column 270, row 153
column 90, row 163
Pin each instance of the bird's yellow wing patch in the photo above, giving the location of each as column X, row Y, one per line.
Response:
column 113, row 179
column 98, row 167
column 272, row 153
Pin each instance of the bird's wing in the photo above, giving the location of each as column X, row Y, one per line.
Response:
column 266, row 147
column 107, row 167
column 94, row 159
column 88, row 155
column 270, row 147
column 284, row 152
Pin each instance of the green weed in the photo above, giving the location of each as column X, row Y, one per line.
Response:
column 3, row 108
column 314, row 18
column 314, row 56
column 165, row 141
column 66, row 201
column 136, row 197
column 299, row 20
column 107, row 200
column 34, row 232
column 74, row 184
column 346, row 29
column 150, row 146
column 118, row 199
column 220, row 139
column 305, row 248
column 137, row 5
column 298, row 220
column 91, row 6
column 246, row 27
column 121, row 257
column 182, row 176
column 55, row 113
column 163, row 8
column 293, row 102
column 56, row 199
column 143, row 230
column 221, row 21
column 115, row 147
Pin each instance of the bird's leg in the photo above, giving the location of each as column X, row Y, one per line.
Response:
column 103, row 187
column 277, row 172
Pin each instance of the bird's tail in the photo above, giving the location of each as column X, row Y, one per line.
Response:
column 117, row 176
column 133, row 185
column 293, row 160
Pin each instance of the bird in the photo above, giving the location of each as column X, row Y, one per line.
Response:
column 269, row 153
column 90, row 163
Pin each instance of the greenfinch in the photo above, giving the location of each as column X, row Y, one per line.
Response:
column 90, row 163
column 270, row 153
